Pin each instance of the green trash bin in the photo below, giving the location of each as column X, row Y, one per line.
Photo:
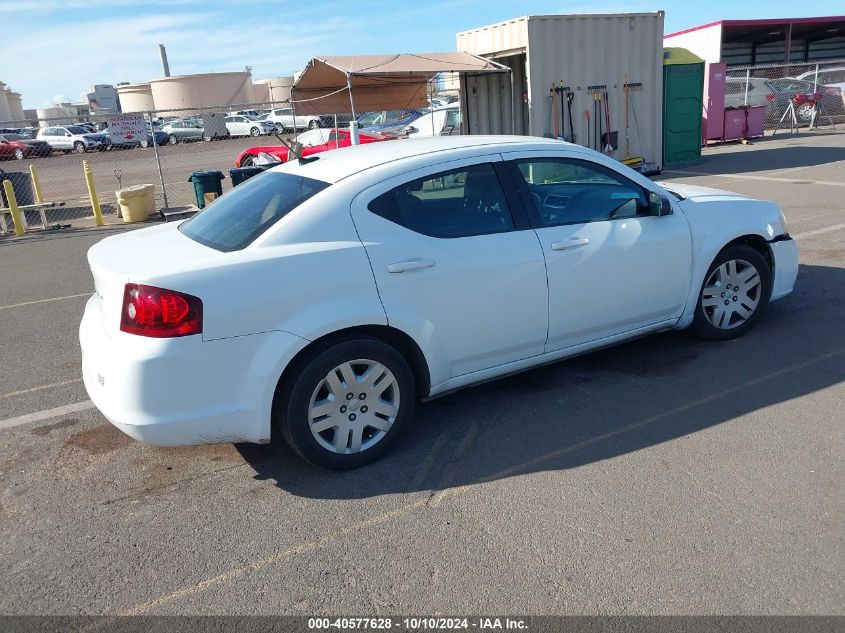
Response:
column 239, row 174
column 206, row 182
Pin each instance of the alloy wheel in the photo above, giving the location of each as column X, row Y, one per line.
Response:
column 731, row 294
column 354, row 406
column 19, row 153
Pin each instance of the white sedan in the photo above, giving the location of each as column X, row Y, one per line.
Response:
column 323, row 298
column 245, row 125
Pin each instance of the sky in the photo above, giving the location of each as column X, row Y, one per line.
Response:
column 55, row 50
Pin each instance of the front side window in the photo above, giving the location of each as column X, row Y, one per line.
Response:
column 235, row 220
column 457, row 203
column 568, row 191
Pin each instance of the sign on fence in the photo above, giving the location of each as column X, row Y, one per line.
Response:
column 127, row 128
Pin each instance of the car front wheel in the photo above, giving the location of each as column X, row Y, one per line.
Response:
column 18, row 153
column 172, row 140
column 79, row 147
column 313, row 125
column 255, row 132
column 735, row 293
column 347, row 405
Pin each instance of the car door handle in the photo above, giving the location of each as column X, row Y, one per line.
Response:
column 570, row 243
column 410, row 264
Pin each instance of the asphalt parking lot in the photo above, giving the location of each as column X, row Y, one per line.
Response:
column 665, row 476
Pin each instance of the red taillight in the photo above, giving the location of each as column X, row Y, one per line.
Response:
column 770, row 97
column 160, row 313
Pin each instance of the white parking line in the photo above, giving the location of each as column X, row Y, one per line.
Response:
column 801, row 181
column 40, row 387
column 29, row 303
column 827, row 229
column 40, row 416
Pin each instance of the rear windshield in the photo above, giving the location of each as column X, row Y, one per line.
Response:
column 235, row 220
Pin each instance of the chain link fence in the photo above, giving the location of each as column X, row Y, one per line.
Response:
column 174, row 144
column 775, row 86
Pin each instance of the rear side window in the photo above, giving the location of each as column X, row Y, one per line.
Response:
column 235, row 220
column 458, row 203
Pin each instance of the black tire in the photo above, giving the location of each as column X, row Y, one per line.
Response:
column 255, row 132
column 207, row 138
column 313, row 124
column 248, row 161
column 18, row 153
column 172, row 140
column 79, row 147
column 701, row 325
column 145, row 143
column 293, row 400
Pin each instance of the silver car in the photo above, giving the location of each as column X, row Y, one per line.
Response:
column 73, row 138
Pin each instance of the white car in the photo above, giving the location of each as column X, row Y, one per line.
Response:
column 245, row 125
column 72, row 138
column 284, row 119
column 444, row 121
column 324, row 297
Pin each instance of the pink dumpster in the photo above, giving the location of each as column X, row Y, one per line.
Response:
column 743, row 122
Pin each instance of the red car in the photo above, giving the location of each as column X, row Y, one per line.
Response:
column 314, row 141
column 19, row 147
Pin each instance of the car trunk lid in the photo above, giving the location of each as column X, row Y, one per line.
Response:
column 139, row 256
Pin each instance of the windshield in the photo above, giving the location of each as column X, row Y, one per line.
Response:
column 13, row 137
column 235, row 220
column 75, row 129
column 369, row 119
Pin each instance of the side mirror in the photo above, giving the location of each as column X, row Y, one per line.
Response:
column 658, row 205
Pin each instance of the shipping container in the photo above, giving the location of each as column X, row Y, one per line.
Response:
column 578, row 52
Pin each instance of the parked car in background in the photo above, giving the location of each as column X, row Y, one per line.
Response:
column 246, row 125
column 445, row 121
column 313, row 141
column 73, row 138
column 388, row 121
column 335, row 120
column 252, row 113
column 776, row 94
column 182, row 130
column 284, row 119
column 160, row 139
column 322, row 299
column 19, row 147
column 829, row 81
column 834, row 77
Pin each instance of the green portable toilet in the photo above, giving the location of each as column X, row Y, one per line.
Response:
column 683, row 94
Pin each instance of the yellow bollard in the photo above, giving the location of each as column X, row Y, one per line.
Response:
column 92, row 193
column 36, row 184
column 13, row 207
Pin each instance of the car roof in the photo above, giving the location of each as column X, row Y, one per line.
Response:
column 344, row 162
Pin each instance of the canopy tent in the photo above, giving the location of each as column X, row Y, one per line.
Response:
column 361, row 83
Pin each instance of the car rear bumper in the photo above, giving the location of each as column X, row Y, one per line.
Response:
column 785, row 252
column 185, row 390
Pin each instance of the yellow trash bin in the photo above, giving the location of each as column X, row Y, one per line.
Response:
column 136, row 203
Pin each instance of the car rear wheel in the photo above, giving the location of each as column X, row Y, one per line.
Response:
column 248, row 161
column 18, row 153
column 347, row 405
column 735, row 293
column 145, row 143
column 172, row 140
column 206, row 138
column 79, row 147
